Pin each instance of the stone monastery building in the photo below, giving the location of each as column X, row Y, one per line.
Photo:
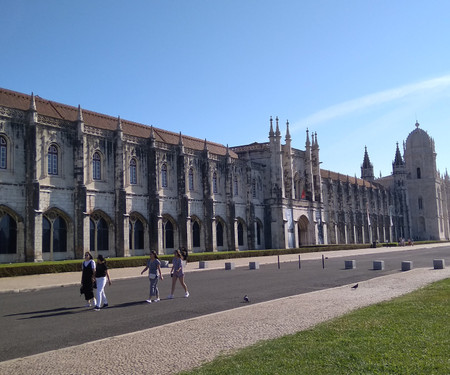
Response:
column 73, row 180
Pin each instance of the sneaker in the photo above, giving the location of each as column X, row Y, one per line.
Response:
column 105, row 305
column 87, row 305
column 170, row 296
column 148, row 300
column 156, row 300
column 186, row 295
column 96, row 308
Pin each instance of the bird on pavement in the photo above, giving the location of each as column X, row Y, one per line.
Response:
column 246, row 299
column 355, row 286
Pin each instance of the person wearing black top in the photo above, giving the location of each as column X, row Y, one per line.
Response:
column 101, row 274
column 87, row 279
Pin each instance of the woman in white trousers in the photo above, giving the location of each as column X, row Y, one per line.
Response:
column 101, row 274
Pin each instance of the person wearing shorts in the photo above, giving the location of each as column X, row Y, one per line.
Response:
column 177, row 274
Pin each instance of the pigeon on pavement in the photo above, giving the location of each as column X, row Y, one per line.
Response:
column 355, row 286
column 246, row 299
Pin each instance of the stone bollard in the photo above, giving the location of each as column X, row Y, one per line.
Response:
column 350, row 264
column 407, row 265
column 438, row 264
column 202, row 264
column 229, row 266
column 253, row 265
column 378, row 265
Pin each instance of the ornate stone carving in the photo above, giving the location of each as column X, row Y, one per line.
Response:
column 12, row 113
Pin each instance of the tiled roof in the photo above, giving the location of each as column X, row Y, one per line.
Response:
column 16, row 100
column 324, row 173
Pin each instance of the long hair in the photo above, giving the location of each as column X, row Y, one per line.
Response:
column 101, row 258
column 89, row 255
column 154, row 254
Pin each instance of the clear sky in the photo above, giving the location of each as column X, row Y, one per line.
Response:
column 357, row 72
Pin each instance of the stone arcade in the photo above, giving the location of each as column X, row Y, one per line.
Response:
column 73, row 180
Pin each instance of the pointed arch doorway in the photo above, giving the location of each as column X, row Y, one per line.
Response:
column 303, row 231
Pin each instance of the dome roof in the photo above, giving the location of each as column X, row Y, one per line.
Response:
column 419, row 138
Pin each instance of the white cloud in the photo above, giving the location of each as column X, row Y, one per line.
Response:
column 368, row 101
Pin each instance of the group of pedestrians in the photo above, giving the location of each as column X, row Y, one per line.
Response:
column 95, row 275
column 177, row 273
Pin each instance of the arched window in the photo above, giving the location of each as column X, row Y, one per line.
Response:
column 54, row 235
column 420, row 203
column 59, row 235
column 219, row 234
column 214, row 183
column 96, row 166
column 195, row 234
column 46, row 234
column 191, row 179
column 52, row 160
column 136, row 235
column 168, row 234
column 236, row 186
column 240, row 230
column 258, row 233
column 254, row 188
column 99, row 235
column 92, row 232
column 164, row 175
column 8, row 235
column 102, row 235
column 3, row 152
column 418, row 174
column 133, row 172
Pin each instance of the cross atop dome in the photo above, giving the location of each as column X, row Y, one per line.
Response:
column 417, row 124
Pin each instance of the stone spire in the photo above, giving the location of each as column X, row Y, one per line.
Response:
column 277, row 131
column 32, row 103
column 32, row 111
column 80, row 122
column 181, row 144
column 398, row 161
column 152, row 137
column 80, row 114
column 119, row 124
column 271, row 134
column 288, row 135
column 367, row 168
column 366, row 162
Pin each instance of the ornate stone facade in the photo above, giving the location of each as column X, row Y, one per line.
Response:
column 74, row 180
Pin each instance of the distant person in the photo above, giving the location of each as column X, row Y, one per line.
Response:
column 177, row 273
column 87, row 279
column 153, row 267
column 101, row 274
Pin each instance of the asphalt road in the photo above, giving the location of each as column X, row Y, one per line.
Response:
column 35, row 322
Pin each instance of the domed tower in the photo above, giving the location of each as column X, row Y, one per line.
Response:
column 423, row 186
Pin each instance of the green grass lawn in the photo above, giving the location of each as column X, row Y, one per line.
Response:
column 408, row 335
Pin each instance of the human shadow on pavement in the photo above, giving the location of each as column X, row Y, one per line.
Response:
column 49, row 312
column 60, row 309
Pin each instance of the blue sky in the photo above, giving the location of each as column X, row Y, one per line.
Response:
column 359, row 73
